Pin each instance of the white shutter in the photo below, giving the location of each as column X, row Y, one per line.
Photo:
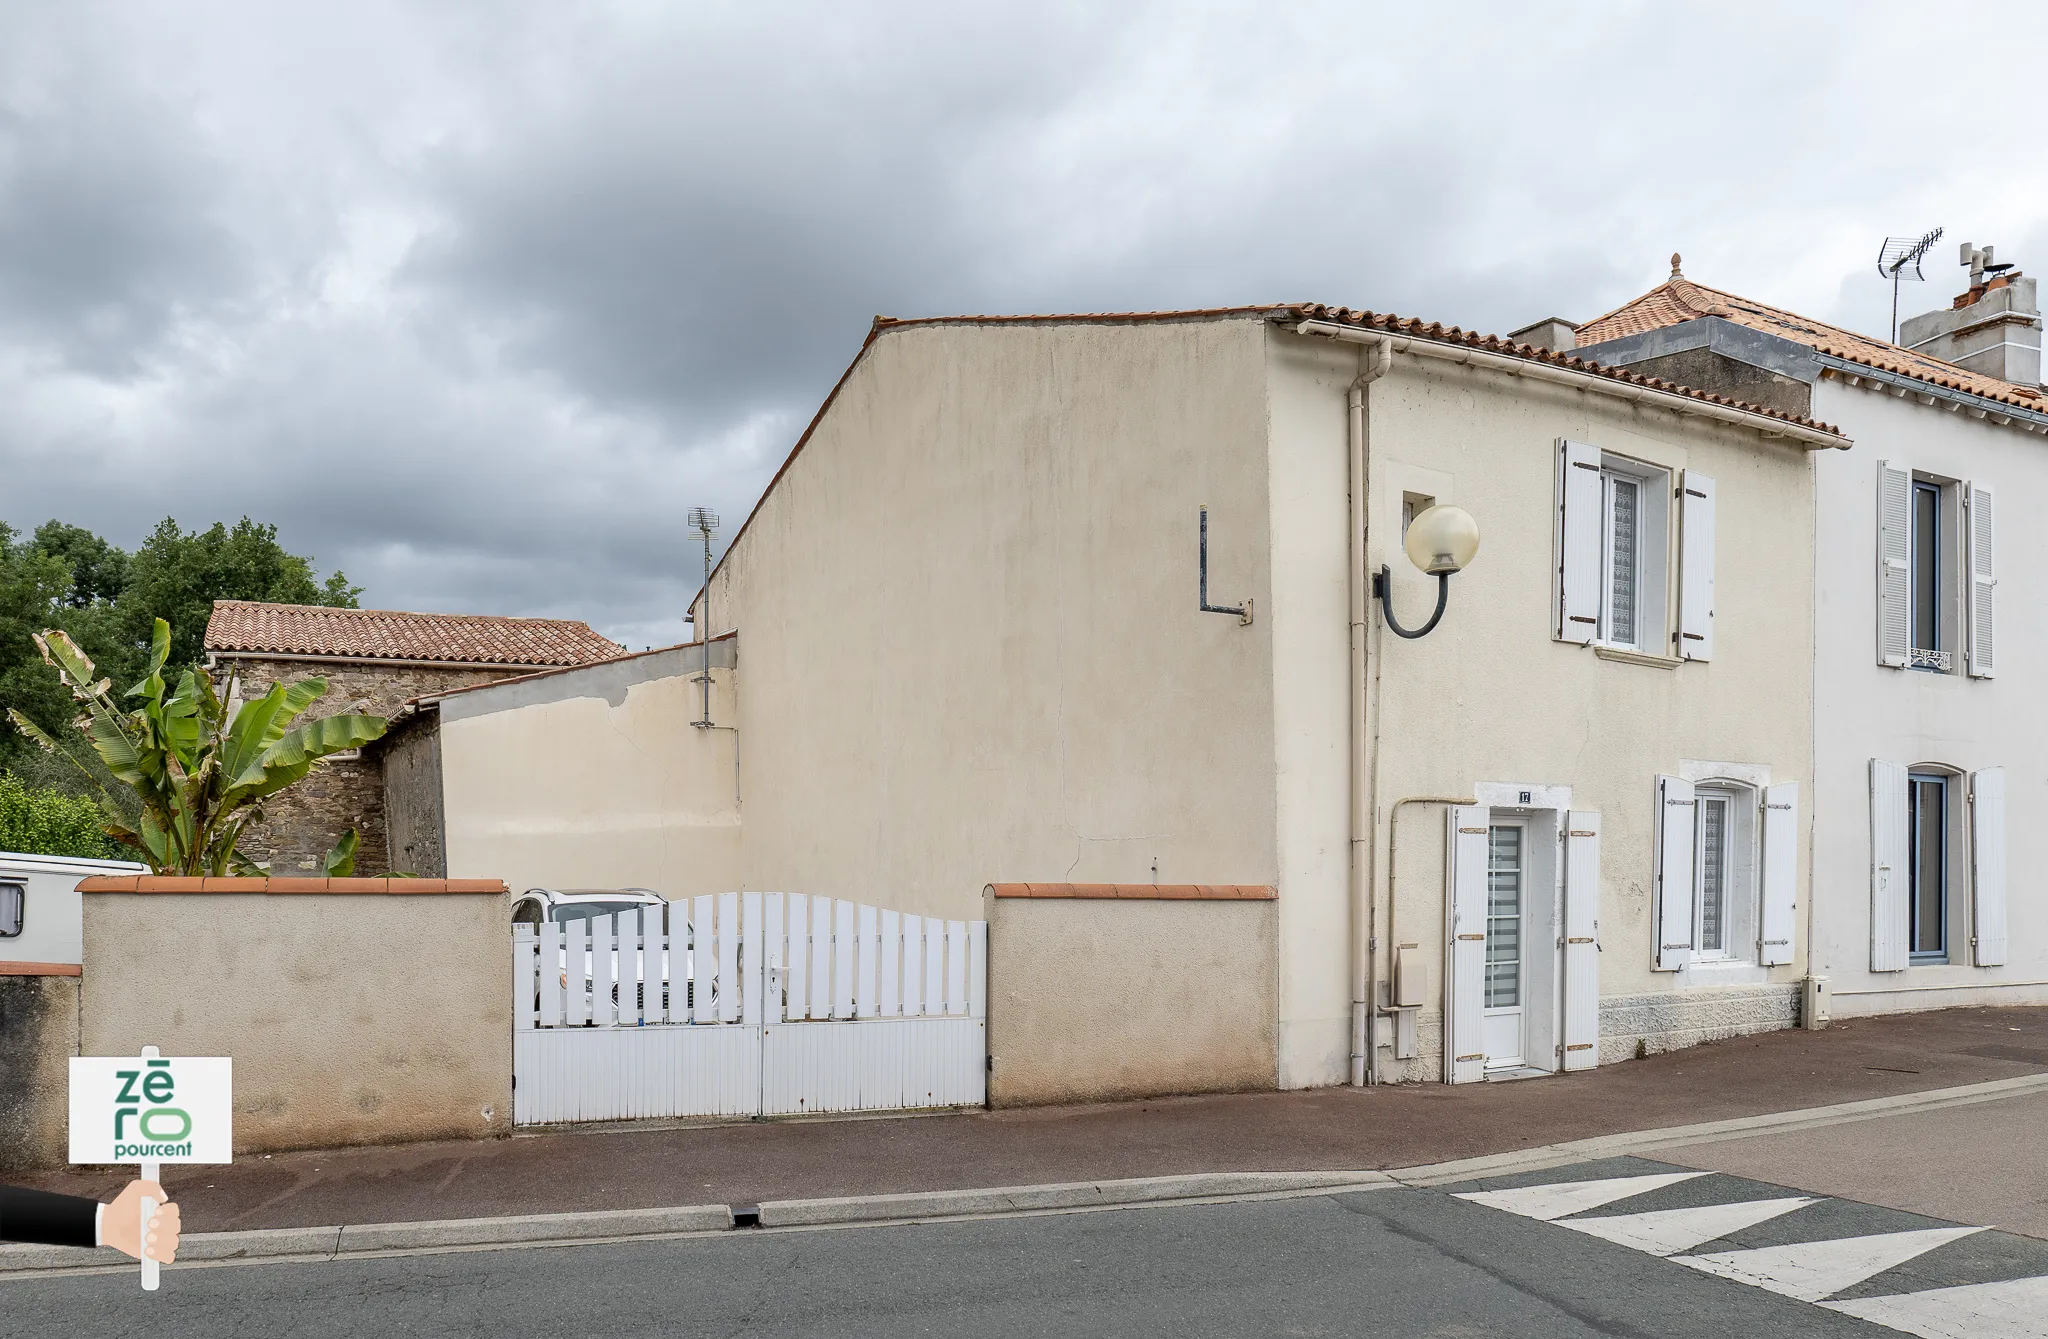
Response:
column 1780, row 894
column 1894, row 562
column 1981, row 530
column 1696, row 567
column 1677, row 806
column 1581, row 939
column 1987, row 866
column 1890, row 876
column 1578, row 542
column 1465, row 1057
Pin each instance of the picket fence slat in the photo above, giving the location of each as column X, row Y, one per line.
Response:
column 977, row 969
column 799, row 956
column 820, row 949
column 865, row 948
column 842, row 959
column 889, row 1001
column 956, row 967
column 773, row 956
column 913, row 966
column 934, row 966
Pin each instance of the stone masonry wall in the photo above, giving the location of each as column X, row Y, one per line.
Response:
column 302, row 824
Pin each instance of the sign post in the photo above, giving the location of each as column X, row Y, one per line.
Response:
column 151, row 1110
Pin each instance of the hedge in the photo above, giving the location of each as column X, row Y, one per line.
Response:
column 50, row 822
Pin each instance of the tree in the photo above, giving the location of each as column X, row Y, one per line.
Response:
column 200, row 775
column 99, row 571
column 177, row 575
column 68, row 578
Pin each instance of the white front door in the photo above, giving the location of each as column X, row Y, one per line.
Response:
column 1507, row 866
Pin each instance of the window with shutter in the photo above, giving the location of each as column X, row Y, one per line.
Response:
column 1980, row 522
column 1894, row 562
column 1987, row 866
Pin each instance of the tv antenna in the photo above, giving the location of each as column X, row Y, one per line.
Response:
column 704, row 522
column 1896, row 257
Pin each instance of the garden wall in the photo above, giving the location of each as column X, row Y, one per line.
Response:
column 357, row 1011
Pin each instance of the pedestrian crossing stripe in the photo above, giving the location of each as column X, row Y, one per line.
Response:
column 1673, row 1231
column 1568, row 1197
column 1811, row 1271
column 1971, row 1311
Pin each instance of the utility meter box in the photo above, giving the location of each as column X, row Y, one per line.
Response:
column 1814, row 1004
column 1411, row 976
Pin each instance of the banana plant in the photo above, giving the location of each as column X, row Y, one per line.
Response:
column 201, row 774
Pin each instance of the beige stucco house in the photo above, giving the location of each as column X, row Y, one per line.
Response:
column 1086, row 601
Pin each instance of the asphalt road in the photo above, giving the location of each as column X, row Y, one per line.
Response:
column 1407, row 1262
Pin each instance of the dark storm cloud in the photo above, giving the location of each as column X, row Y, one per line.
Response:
column 476, row 300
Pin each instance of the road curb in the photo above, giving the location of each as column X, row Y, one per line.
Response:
column 365, row 1239
column 1066, row 1195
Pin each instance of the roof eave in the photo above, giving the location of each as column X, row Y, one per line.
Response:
column 1587, row 376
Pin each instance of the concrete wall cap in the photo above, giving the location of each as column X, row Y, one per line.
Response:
column 164, row 883
column 1166, row 892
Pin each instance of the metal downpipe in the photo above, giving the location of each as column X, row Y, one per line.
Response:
column 1378, row 358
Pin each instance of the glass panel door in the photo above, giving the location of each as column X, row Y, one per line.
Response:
column 1506, row 879
column 1929, row 836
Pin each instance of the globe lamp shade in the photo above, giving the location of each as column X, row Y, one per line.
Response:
column 1442, row 540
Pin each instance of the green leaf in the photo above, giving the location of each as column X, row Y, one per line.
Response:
column 340, row 863
column 293, row 756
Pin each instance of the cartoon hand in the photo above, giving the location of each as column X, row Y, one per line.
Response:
column 121, row 1226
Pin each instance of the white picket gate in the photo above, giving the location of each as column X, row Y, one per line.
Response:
column 748, row 1004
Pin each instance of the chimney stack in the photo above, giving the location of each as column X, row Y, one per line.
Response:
column 1993, row 329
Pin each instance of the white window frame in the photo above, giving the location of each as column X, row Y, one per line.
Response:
column 1652, row 632
column 1740, row 904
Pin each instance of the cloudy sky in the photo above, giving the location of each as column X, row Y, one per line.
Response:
column 476, row 300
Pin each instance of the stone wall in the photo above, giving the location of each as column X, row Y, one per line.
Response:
column 302, row 824
column 1638, row 1025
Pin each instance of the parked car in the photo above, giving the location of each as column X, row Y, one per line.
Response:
column 574, row 906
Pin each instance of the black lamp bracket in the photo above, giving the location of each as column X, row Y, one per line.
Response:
column 1381, row 583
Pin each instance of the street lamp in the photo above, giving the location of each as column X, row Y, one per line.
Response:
column 1440, row 541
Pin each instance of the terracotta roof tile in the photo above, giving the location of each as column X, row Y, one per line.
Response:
column 383, row 634
column 1680, row 299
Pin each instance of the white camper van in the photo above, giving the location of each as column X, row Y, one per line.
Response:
column 42, row 922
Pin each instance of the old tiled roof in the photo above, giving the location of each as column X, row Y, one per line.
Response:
column 1680, row 299
column 383, row 634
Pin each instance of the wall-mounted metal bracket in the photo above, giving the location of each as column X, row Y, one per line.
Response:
column 1244, row 613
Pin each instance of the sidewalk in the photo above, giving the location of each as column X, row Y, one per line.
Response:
column 1325, row 1129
